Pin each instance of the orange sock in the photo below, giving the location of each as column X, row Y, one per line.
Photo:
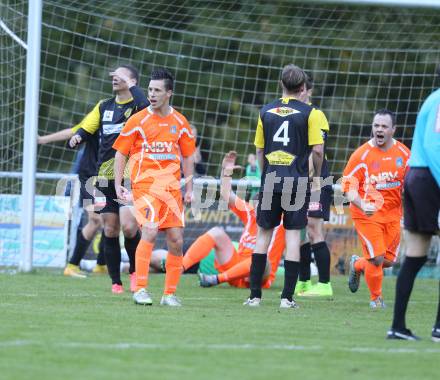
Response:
column 359, row 265
column 373, row 278
column 173, row 271
column 143, row 256
column 240, row 270
column 198, row 250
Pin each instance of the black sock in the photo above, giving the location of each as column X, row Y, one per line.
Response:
column 322, row 260
column 112, row 252
column 290, row 277
column 100, row 260
column 437, row 322
column 305, row 254
column 404, row 285
column 257, row 271
column 80, row 248
column 130, row 245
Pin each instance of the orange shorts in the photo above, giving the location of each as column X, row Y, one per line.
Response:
column 379, row 239
column 164, row 210
column 239, row 282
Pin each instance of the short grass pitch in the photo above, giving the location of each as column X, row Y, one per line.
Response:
column 53, row 327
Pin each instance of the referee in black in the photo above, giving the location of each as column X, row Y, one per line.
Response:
column 288, row 131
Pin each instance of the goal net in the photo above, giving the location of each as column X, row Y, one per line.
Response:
column 226, row 56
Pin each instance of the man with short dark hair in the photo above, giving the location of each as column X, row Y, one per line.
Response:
column 155, row 139
column 373, row 180
column 108, row 118
column 288, row 131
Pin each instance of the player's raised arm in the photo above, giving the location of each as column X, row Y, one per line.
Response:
column 228, row 167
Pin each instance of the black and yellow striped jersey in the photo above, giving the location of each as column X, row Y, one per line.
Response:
column 108, row 118
column 286, row 131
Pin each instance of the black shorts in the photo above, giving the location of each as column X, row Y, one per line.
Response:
column 293, row 207
column 321, row 209
column 106, row 200
column 421, row 201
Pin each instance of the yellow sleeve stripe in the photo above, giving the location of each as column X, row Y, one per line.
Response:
column 317, row 123
column 91, row 121
column 259, row 135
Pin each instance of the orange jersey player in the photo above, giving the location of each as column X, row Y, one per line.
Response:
column 373, row 180
column 233, row 264
column 154, row 140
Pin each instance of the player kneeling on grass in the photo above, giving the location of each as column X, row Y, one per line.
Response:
column 233, row 264
column 373, row 180
column 154, row 139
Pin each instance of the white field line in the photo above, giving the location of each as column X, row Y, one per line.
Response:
column 215, row 347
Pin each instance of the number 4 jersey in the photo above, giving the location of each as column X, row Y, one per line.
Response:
column 287, row 129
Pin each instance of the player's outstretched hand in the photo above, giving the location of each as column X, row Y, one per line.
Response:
column 228, row 164
column 123, row 77
column 75, row 140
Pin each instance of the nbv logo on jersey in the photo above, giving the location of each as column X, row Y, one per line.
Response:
column 173, row 129
column 283, row 111
column 158, row 146
column 383, row 177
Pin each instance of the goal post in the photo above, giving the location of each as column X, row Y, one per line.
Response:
column 30, row 132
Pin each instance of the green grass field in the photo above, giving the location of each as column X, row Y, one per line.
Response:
column 52, row 327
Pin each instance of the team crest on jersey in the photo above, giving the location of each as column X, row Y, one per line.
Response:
column 128, row 112
column 283, row 111
column 280, row 157
column 173, row 129
column 399, row 162
column 108, row 116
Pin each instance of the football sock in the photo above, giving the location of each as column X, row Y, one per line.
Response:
column 143, row 257
column 81, row 246
column 359, row 265
column 405, row 282
column 100, row 260
column 173, row 272
column 258, row 265
column 305, row 254
column 112, row 251
column 239, row 270
column 130, row 245
column 198, row 250
column 373, row 278
column 322, row 260
column 290, row 277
